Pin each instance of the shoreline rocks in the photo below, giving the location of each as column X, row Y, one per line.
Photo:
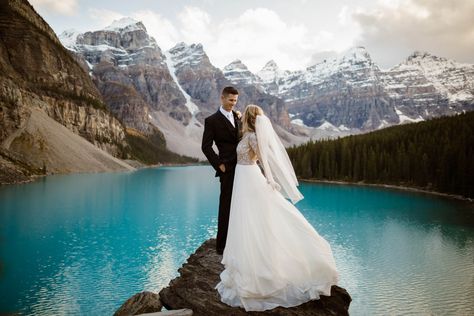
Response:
column 140, row 303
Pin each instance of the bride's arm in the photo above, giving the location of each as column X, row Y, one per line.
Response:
column 266, row 168
column 252, row 139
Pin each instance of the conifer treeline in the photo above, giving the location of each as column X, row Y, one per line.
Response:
column 437, row 155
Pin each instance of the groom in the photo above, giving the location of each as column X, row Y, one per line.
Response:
column 224, row 129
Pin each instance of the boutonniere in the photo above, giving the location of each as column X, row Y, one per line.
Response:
column 239, row 115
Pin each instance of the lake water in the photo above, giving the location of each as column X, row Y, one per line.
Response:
column 83, row 244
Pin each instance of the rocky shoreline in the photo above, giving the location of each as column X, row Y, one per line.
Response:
column 16, row 175
column 392, row 186
column 194, row 290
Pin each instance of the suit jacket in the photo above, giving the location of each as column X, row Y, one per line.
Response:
column 218, row 129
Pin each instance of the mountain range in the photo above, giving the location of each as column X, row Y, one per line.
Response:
column 91, row 101
column 351, row 92
column 172, row 90
column 347, row 94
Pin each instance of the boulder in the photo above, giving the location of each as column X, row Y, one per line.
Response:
column 140, row 303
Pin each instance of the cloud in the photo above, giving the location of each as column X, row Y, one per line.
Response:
column 164, row 32
column 397, row 28
column 344, row 16
column 258, row 35
column 255, row 37
column 321, row 56
column 195, row 24
column 104, row 17
column 66, row 7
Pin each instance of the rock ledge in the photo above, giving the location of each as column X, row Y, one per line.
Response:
column 194, row 289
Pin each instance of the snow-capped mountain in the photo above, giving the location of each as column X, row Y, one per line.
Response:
column 148, row 88
column 197, row 76
column 270, row 76
column 133, row 77
column 454, row 79
column 350, row 90
column 125, row 42
column 191, row 55
column 204, row 82
column 271, row 72
column 175, row 90
column 238, row 73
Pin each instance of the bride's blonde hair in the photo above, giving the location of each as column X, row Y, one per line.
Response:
column 249, row 118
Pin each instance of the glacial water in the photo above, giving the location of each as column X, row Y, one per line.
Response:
column 82, row 244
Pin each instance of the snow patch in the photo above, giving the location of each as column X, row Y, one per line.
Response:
column 69, row 38
column 461, row 96
column 192, row 107
column 406, row 119
column 127, row 23
column 326, row 126
column 298, row 122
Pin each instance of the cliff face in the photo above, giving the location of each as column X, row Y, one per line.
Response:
column 197, row 76
column 130, row 72
column 37, row 72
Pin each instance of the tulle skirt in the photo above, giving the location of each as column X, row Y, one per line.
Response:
column 273, row 256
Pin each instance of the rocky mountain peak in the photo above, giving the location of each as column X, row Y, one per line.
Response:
column 238, row 73
column 425, row 59
column 123, row 43
column 357, row 53
column 271, row 65
column 450, row 78
column 419, row 55
column 125, row 24
column 184, row 54
column 270, row 72
column 235, row 65
column 355, row 56
column 125, row 34
column 69, row 38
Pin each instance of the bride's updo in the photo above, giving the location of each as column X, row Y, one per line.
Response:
column 249, row 118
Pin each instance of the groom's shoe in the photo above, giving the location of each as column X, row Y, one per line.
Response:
column 220, row 251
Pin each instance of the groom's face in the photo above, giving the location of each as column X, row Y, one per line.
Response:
column 229, row 101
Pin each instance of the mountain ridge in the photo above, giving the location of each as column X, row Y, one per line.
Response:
column 420, row 87
column 337, row 96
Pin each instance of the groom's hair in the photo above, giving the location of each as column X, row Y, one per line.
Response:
column 229, row 90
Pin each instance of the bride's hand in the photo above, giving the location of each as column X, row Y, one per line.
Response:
column 274, row 185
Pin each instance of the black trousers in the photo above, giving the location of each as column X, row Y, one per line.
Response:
column 227, row 183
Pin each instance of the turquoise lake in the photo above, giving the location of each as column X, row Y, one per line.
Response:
column 82, row 244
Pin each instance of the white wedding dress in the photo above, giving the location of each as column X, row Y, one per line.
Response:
column 273, row 256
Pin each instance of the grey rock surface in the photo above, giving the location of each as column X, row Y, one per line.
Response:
column 140, row 303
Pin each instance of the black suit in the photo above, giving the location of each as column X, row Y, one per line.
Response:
column 218, row 129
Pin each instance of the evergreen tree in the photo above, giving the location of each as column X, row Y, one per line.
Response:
column 436, row 155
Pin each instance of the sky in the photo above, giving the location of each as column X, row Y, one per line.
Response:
column 294, row 33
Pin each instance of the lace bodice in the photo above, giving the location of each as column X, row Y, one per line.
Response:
column 247, row 149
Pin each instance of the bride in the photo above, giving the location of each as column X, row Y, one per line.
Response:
column 273, row 256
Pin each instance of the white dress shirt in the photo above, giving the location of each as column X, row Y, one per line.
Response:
column 229, row 115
